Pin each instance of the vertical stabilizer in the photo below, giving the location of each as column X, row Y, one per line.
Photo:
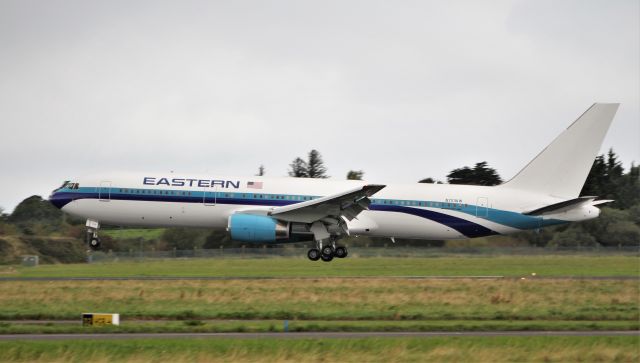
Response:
column 561, row 169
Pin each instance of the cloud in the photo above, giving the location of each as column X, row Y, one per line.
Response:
column 402, row 90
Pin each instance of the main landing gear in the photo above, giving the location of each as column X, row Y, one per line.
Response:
column 327, row 253
column 92, row 234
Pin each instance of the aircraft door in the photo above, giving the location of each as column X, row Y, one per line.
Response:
column 482, row 207
column 210, row 196
column 104, row 191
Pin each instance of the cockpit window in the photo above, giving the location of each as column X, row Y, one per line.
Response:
column 69, row 185
column 64, row 185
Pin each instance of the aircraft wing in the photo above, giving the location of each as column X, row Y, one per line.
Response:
column 347, row 204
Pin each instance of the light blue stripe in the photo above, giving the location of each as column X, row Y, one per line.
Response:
column 499, row 216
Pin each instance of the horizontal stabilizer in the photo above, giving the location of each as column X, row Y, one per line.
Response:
column 603, row 201
column 562, row 206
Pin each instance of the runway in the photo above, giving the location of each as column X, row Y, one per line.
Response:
column 228, row 278
column 315, row 335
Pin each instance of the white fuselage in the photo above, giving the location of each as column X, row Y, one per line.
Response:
column 418, row 211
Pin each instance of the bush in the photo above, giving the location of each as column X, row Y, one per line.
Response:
column 621, row 233
column 35, row 215
column 573, row 237
column 65, row 251
column 182, row 238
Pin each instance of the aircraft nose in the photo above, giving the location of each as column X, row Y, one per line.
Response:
column 59, row 200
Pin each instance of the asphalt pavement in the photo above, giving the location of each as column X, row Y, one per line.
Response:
column 214, row 278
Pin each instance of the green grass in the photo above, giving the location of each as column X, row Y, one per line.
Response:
column 327, row 299
column 455, row 349
column 145, row 234
column 253, row 326
column 512, row 266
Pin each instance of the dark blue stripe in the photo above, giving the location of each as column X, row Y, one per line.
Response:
column 467, row 228
column 60, row 199
column 463, row 226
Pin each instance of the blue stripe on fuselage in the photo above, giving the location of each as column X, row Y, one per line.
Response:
column 461, row 225
column 464, row 226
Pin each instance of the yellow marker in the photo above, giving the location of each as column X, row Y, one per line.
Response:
column 100, row 319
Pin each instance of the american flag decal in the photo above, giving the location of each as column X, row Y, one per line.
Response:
column 254, row 185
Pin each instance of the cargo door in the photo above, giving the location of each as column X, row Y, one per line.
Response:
column 482, row 207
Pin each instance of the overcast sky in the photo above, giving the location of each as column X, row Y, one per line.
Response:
column 400, row 89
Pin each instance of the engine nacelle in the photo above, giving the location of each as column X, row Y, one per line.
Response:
column 258, row 229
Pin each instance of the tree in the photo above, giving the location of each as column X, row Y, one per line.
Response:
column 596, row 180
column 634, row 213
column 260, row 170
column 35, row 214
column 313, row 168
column 480, row 174
column 614, row 166
column 315, row 165
column 298, row 168
column 427, row 180
column 355, row 175
column 607, row 180
column 626, row 191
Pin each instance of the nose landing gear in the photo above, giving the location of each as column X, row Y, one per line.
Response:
column 92, row 234
column 94, row 243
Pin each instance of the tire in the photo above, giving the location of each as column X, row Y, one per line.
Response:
column 326, row 258
column 94, row 243
column 341, row 252
column 313, row 254
column 327, row 251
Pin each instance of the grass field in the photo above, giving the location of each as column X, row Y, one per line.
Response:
column 458, row 349
column 357, row 298
column 513, row 266
column 264, row 326
column 129, row 233
column 327, row 299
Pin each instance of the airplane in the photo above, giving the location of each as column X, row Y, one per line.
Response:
column 268, row 210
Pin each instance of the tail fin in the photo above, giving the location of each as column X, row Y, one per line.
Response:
column 561, row 169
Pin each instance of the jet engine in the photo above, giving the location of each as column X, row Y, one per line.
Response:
column 258, row 229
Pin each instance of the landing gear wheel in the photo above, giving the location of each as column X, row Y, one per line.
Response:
column 313, row 254
column 94, row 243
column 341, row 252
column 326, row 258
column 327, row 251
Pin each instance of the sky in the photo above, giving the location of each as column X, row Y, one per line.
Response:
column 402, row 90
